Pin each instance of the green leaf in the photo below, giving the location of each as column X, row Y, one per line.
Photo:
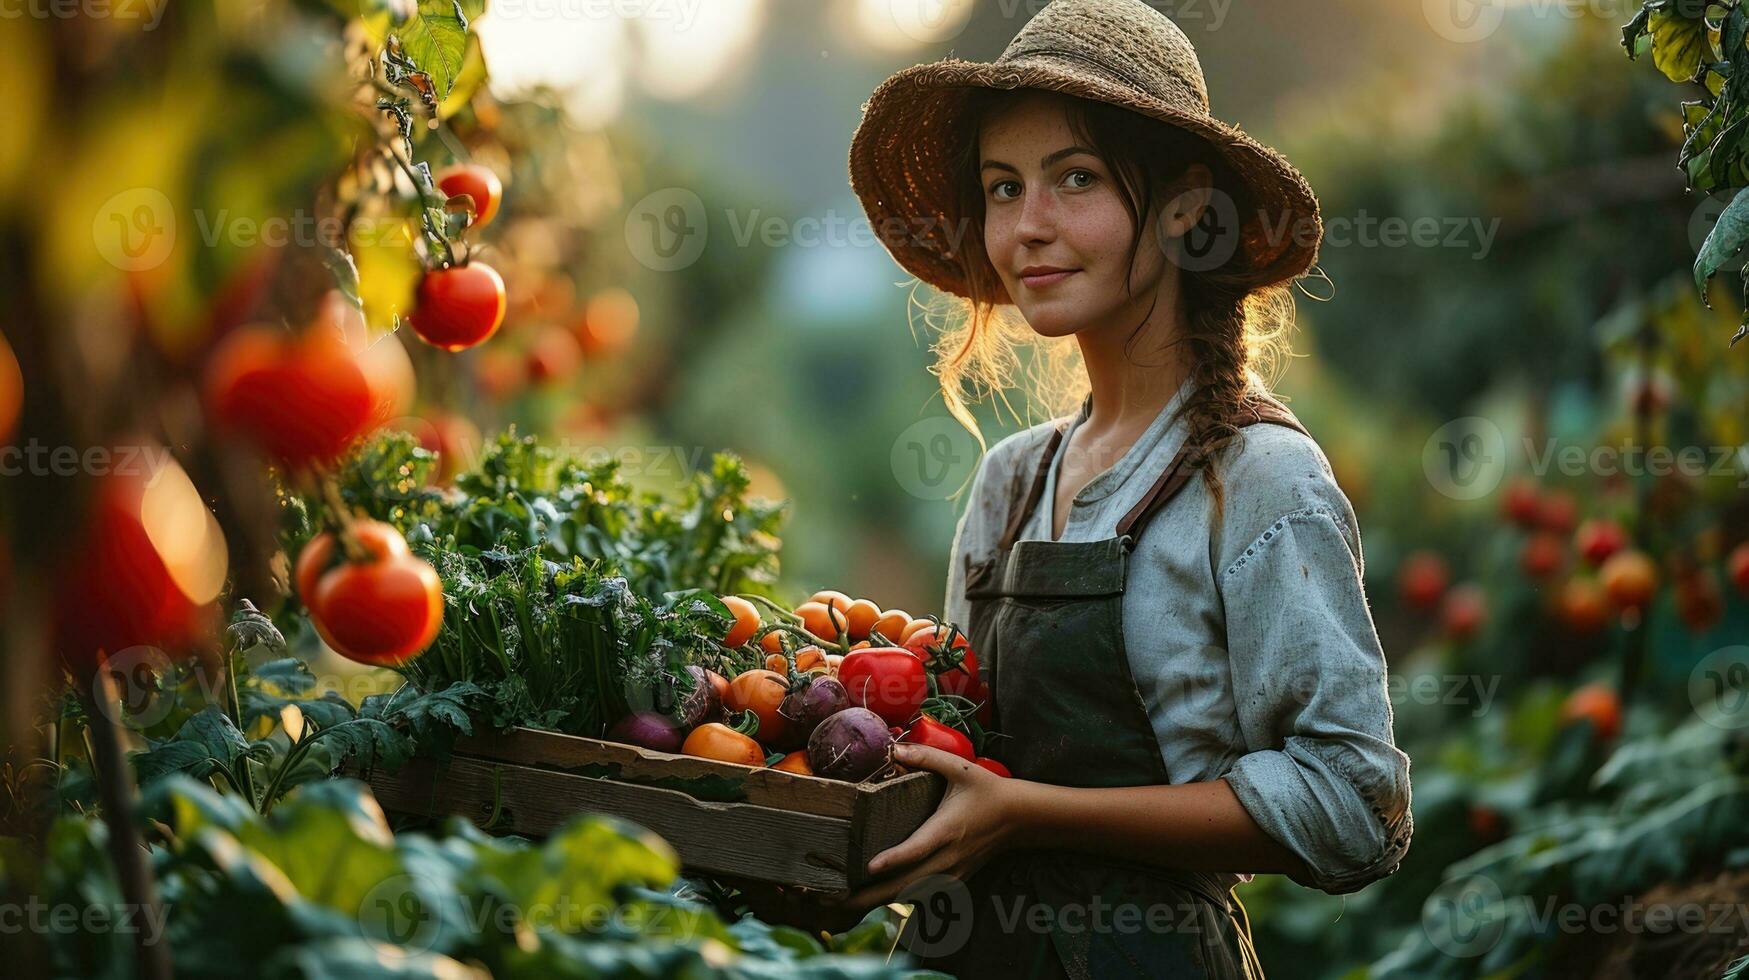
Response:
column 1722, row 243
column 436, row 40
column 1678, row 43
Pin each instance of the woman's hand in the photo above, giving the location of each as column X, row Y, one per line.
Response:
column 972, row 824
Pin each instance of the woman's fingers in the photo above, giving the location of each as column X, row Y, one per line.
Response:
column 924, row 841
column 933, row 759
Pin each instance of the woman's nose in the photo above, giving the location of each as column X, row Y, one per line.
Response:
column 1038, row 217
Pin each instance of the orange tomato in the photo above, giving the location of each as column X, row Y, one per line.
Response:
column 892, row 624
column 772, row 642
column 715, row 740
column 796, row 762
column 860, row 617
column 746, row 621
column 776, row 663
column 912, row 628
column 1598, row 704
column 831, row 597
column 760, row 691
column 1629, row 578
column 810, row 657
column 820, row 620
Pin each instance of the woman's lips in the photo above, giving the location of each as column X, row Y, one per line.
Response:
column 1046, row 279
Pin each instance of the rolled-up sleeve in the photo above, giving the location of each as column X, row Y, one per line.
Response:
column 1322, row 774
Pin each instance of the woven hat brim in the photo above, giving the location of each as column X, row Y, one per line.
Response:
column 902, row 172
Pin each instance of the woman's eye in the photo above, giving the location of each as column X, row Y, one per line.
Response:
column 1089, row 176
column 996, row 189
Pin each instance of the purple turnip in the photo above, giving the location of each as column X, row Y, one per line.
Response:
column 650, row 730
column 853, row 745
column 812, row 703
column 702, row 703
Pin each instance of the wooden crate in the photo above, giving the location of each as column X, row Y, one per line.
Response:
column 724, row 820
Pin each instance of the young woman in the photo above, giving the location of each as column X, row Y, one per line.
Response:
column 1164, row 588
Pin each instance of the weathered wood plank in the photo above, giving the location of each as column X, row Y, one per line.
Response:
column 701, row 778
column 737, row 839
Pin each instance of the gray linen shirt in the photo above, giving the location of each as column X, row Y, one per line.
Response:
column 1251, row 643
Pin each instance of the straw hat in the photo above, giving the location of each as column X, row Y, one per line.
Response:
column 1121, row 52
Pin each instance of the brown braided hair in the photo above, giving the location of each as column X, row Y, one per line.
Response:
column 1233, row 329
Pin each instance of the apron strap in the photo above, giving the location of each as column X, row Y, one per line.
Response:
column 1263, row 408
column 1019, row 507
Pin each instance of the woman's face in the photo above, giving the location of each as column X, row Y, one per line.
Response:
column 1056, row 228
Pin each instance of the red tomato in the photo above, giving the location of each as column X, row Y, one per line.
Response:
column 478, row 183
column 554, row 356
column 1522, row 502
column 11, row 391
column 146, row 568
column 1598, row 539
column 458, row 307
column 930, row 647
column 928, row 731
column 994, row 766
column 1738, row 565
column 1422, row 580
column 319, row 557
column 303, row 400
column 889, row 681
column 382, row 611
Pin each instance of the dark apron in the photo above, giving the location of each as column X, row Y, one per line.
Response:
column 1046, row 618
